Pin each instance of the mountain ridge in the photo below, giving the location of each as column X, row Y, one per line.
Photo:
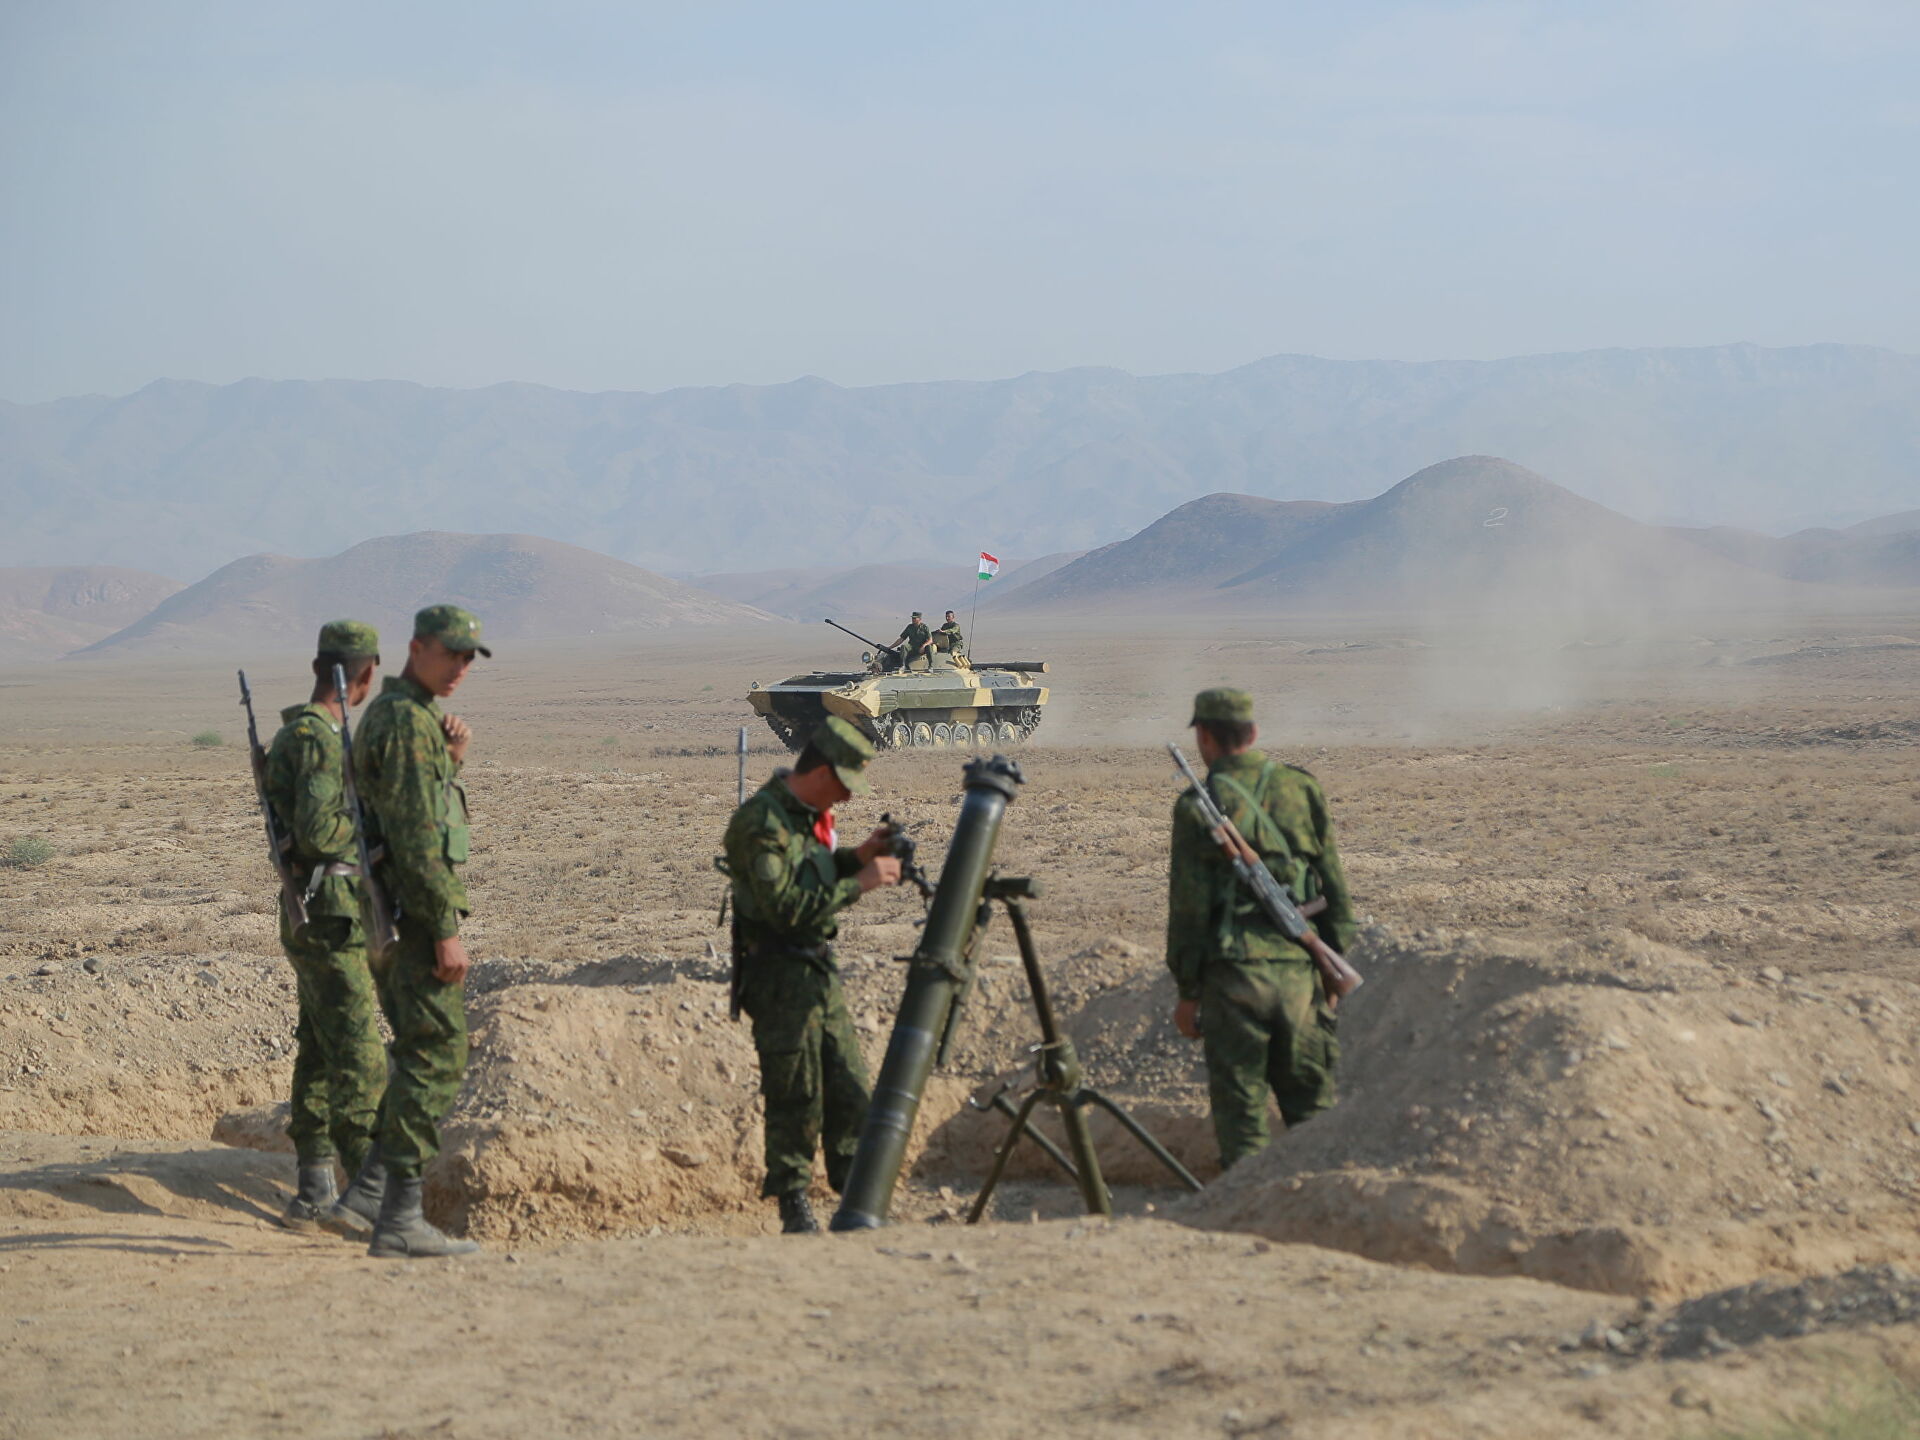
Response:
column 182, row 475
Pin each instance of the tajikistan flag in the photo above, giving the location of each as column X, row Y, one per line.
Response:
column 989, row 565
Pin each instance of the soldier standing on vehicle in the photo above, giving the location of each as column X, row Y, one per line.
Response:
column 1254, row 998
column 915, row 642
column 948, row 640
column 339, row 1064
column 407, row 758
column 790, row 880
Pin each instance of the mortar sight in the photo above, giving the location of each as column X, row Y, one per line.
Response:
column 937, row 977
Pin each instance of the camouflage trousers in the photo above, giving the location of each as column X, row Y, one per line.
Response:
column 1265, row 1028
column 812, row 1076
column 428, row 1055
column 339, row 1064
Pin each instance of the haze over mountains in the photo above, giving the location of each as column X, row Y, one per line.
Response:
column 45, row 610
column 1476, row 534
column 520, row 585
column 181, row 477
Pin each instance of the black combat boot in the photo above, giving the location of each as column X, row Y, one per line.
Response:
column 402, row 1231
column 353, row 1214
column 796, row 1214
column 313, row 1199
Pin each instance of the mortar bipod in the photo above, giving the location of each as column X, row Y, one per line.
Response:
column 1057, row 1079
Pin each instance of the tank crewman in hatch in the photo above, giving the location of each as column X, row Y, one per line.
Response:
column 948, row 640
column 916, row 644
column 339, row 1063
column 790, row 880
column 1253, row 997
column 407, row 758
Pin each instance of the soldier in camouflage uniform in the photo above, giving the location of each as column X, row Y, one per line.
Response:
column 407, row 758
column 915, row 643
column 339, row 1065
column 1252, row 996
column 790, row 881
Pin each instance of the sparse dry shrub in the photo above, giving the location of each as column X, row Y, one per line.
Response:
column 29, row 852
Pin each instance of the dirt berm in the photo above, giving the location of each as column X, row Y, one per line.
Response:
column 1614, row 1115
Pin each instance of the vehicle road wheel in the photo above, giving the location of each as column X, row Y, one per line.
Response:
column 942, row 737
column 1008, row 734
column 983, row 735
column 923, row 734
column 963, row 737
column 899, row 737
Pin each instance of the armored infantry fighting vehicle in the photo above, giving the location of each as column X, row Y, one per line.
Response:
column 962, row 703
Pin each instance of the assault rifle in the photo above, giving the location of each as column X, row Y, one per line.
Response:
column 1339, row 977
column 293, row 901
column 376, row 912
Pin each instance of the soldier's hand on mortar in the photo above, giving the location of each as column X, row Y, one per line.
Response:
column 875, row 844
column 880, row 870
column 1186, row 1018
column 450, row 962
column 458, row 733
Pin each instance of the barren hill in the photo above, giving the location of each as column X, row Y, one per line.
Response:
column 1471, row 532
column 47, row 610
column 1884, row 552
column 184, row 476
column 520, row 585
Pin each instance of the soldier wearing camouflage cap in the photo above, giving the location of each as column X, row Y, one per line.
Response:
column 914, row 644
column 339, row 1064
column 407, row 759
column 1254, row 998
column 790, row 880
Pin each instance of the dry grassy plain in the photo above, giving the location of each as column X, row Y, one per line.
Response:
column 1738, row 788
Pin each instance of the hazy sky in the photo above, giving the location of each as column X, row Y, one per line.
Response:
column 636, row 196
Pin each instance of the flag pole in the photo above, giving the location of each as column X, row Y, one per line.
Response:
column 974, row 613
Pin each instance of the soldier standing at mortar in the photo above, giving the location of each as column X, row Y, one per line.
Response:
column 1253, row 997
column 407, row 758
column 789, row 882
column 339, row 1065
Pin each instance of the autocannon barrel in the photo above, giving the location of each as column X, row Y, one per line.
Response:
column 936, row 976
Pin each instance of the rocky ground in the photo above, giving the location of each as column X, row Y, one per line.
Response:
column 1629, row 1143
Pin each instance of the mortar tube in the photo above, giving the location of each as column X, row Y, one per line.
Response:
column 934, row 977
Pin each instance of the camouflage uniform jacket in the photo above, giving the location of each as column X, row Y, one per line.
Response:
column 415, row 805
column 306, row 788
column 948, row 639
column 787, row 886
column 1282, row 812
column 914, row 638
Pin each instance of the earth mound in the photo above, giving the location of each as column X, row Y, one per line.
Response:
column 1614, row 1115
column 47, row 610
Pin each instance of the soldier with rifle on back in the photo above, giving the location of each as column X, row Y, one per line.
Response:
column 789, row 881
column 1258, row 974
column 340, row 1065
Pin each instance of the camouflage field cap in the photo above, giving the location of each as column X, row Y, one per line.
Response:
column 349, row 639
column 453, row 627
column 916, row 614
column 1223, row 704
column 846, row 750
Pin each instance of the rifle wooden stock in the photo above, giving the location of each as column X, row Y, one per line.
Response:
column 1339, row 977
